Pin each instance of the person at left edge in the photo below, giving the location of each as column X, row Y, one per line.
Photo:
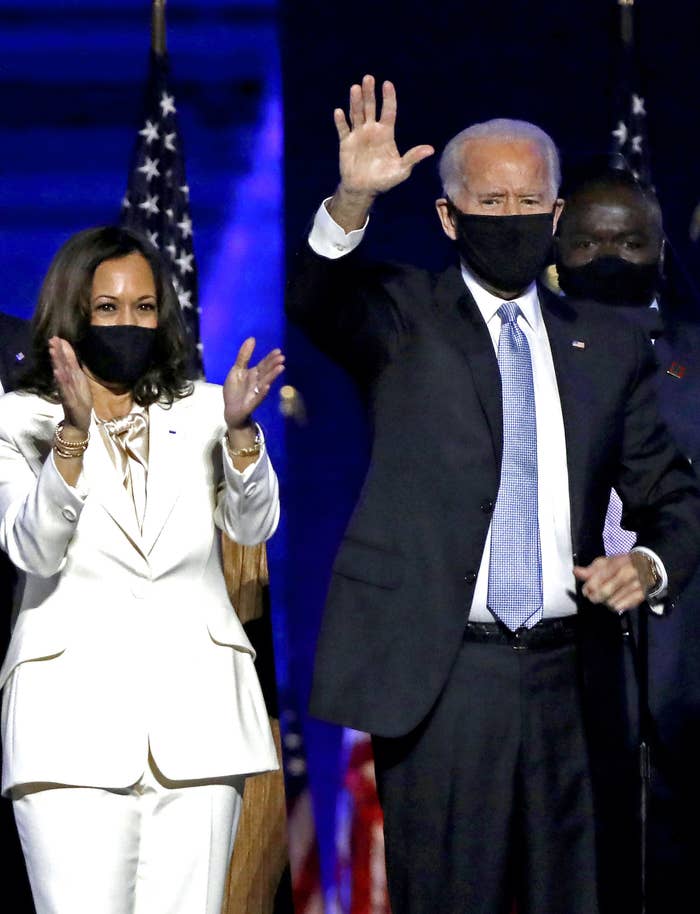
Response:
column 131, row 708
column 14, row 348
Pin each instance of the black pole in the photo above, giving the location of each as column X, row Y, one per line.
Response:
column 645, row 737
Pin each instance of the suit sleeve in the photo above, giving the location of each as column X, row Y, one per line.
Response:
column 345, row 308
column 248, row 508
column 38, row 514
column 657, row 484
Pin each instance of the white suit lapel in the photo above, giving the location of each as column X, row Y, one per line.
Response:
column 167, row 439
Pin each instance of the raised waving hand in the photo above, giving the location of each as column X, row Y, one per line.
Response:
column 370, row 162
column 247, row 386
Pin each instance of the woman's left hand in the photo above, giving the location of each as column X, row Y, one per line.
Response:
column 245, row 388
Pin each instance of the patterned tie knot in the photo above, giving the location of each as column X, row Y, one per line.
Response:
column 508, row 312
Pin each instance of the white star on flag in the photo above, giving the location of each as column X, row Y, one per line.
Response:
column 185, row 226
column 167, row 104
column 150, row 132
column 150, row 168
column 637, row 104
column 150, row 204
column 620, row 133
column 184, row 262
column 636, row 144
column 156, row 203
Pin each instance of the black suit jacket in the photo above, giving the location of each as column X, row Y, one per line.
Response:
column 14, row 349
column 404, row 576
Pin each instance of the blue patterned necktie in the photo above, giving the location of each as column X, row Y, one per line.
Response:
column 515, row 568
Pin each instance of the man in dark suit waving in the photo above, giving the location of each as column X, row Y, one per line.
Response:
column 502, row 418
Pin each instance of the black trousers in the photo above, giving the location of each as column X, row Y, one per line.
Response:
column 489, row 800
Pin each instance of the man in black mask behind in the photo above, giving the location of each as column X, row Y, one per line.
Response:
column 502, row 417
column 610, row 245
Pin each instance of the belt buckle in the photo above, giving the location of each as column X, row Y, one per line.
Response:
column 517, row 643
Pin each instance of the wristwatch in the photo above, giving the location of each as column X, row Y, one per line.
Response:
column 654, row 574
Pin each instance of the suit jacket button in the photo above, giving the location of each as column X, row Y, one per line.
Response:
column 69, row 513
column 487, row 506
column 470, row 577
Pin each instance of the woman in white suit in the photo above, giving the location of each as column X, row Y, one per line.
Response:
column 131, row 708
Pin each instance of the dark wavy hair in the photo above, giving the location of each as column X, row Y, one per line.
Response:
column 63, row 310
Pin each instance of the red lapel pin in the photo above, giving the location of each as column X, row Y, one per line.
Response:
column 676, row 370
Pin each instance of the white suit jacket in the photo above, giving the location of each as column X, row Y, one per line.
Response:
column 126, row 639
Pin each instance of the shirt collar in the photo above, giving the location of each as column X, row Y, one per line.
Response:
column 488, row 303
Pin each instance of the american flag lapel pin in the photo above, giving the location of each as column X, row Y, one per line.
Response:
column 676, row 370
column 19, row 357
column 578, row 344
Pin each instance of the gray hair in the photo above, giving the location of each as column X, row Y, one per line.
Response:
column 502, row 128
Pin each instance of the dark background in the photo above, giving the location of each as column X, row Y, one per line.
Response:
column 72, row 76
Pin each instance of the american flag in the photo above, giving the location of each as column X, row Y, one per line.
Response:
column 630, row 142
column 157, row 200
column 301, row 827
column 361, row 885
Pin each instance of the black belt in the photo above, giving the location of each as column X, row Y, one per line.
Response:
column 547, row 633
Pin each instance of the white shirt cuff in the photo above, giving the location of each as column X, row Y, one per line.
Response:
column 655, row 598
column 79, row 490
column 328, row 239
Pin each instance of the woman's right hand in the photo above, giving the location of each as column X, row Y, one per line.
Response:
column 73, row 385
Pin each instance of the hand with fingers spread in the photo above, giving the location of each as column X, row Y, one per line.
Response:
column 73, row 385
column 245, row 388
column 620, row 582
column 370, row 162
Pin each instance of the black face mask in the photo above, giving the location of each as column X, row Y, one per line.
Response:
column 508, row 252
column 118, row 354
column 612, row 281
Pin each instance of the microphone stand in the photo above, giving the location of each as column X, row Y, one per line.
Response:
column 639, row 649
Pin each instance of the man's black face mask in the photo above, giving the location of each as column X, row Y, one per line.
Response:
column 508, row 252
column 612, row 281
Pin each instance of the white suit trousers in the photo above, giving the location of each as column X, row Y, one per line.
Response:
column 158, row 847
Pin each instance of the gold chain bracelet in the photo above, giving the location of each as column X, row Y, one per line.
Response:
column 251, row 451
column 66, row 448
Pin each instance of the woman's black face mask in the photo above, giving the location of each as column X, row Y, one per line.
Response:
column 508, row 252
column 119, row 353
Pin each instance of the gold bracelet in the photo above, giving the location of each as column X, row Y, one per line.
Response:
column 251, row 451
column 66, row 448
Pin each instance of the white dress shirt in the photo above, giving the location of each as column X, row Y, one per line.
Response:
column 329, row 240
